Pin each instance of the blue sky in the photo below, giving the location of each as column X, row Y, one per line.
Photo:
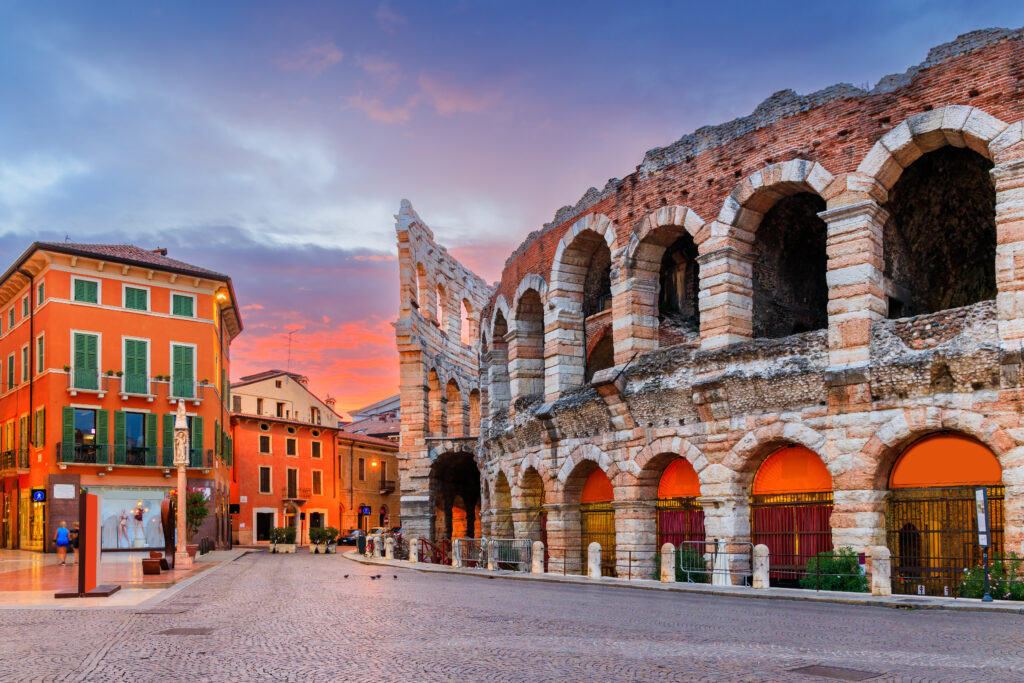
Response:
column 274, row 140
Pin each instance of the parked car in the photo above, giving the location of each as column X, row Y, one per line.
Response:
column 350, row 537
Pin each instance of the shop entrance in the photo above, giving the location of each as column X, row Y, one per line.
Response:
column 790, row 509
column 264, row 523
column 597, row 521
column 931, row 520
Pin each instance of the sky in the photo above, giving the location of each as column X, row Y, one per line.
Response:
column 275, row 141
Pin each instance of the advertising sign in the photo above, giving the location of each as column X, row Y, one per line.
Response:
column 981, row 512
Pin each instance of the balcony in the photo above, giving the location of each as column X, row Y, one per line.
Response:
column 293, row 493
column 86, row 380
column 70, row 453
column 136, row 385
column 14, row 460
column 186, row 390
column 387, row 486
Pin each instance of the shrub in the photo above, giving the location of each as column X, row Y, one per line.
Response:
column 691, row 567
column 1006, row 578
column 835, row 570
column 196, row 509
column 282, row 534
column 330, row 534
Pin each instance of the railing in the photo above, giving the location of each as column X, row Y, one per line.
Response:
column 82, row 453
column 13, row 459
column 387, row 485
column 436, row 553
column 135, row 384
column 85, row 379
column 513, row 554
column 139, row 456
column 295, row 493
column 469, row 552
column 718, row 562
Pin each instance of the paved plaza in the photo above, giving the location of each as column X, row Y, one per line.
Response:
column 296, row 618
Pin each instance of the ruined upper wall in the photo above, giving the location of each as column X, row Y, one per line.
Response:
column 836, row 127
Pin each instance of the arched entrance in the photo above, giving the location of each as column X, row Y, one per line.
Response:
column 931, row 522
column 680, row 516
column 535, row 518
column 455, row 489
column 790, row 508
column 597, row 520
column 502, row 525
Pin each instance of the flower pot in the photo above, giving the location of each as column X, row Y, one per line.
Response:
column 313, row 548
column 331, row 548
column 286, row 547
column 192, row 549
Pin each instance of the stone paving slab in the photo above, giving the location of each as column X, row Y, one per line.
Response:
column 835, row 597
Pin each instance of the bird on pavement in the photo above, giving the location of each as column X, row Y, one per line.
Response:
column 346, row 576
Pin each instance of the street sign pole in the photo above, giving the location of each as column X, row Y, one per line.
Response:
column 981, row 512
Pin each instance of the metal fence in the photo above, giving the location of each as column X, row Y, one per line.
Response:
column 469, row 552
column 512, row 554
column 597, row 523
column 714, row 561
column 795, row 527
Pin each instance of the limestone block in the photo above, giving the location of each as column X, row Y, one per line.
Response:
column 760, row 566
column 668, row 563
column 414, row 549
column 537, row 566
column 389, row 548
column 881, row 570
column 594, row 560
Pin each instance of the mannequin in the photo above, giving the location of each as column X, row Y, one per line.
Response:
column 122, row 529
column 138, row 531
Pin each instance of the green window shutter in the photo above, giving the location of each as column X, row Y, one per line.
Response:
column 41, row 422
column 182, row 371
column 197, row 441
column 86, row 291
column 135, row 352
column 216, row 437
column 102, row 437
column 182, row 305
column 86, row 361
column 42, row 293
column 10, row 372
column 135, row 298
column 79, row 293
column 119, row 437
column 169, row 440
column 151, row 449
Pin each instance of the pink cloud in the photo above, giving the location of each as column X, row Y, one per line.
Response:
column 314, row 59
column 252, row 307
column 388, row 72
column 388, row 18
column 377, row 111
column 449, row 99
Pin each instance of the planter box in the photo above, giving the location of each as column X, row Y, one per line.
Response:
column 331, row 549
column 286, row 548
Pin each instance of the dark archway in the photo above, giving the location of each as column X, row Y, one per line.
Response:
column 455, row 488
column 940, row 239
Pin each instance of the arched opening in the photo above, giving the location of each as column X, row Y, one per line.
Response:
column 456, row 412
column 526, row 355
column 939, row 243
column 474, row 412
column 455, row 488
column 435, row 406
column 790, row 509
column 465, row 322
column 442, row 307
column 679, row 283
column 382, row 517
column 497, row 369
column 601, row 353
column 591, row 488
column 424, row 294
column 502, row 525
column 535, row 519
column 790, row 292
column 680, row 516
column 931, row 515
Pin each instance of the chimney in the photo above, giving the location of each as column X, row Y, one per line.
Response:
column 330, row 402
column 302, row 379
column 161, row 251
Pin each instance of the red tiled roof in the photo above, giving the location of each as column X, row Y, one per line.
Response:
column 131, row 254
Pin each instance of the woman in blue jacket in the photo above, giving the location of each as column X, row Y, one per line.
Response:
column 63, row 540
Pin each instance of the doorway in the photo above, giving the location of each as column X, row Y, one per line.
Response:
column 264, row 523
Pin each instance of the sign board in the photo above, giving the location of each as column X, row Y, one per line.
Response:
column 981, row 513
column 243, row 499
column 64, row 491
column 38, row 495
column 364, row 510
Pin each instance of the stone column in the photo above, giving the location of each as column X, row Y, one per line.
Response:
column 761, row 580
column 634, row 315
column 414, row 549
column 564, row 538
column 594, row 560
column 858, row 518
column 668, row 563
column 1008, row 177
column 856, row 293
column 418, row 515
column 563, row 349
column 727, row 518
column 636, row 537
column 389, row 548
column 726, row 292
column 537, row 564
column 881, row 571
column 496, row 361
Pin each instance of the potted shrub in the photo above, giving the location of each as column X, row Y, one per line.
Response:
column 285, row 539
column 119, row 373
column 315, row 535
column 196, row 512
column 330, row 539
column 67, row 368
column 110, row 373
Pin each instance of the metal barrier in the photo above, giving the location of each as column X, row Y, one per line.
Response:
column 469, row 552
column 718, row 562
column 436, row 553
column 512, row 554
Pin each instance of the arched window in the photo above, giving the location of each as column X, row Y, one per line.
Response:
column 465, row 322
column 474, row 412
column 526, row 354
column 497, row 369
column 456, row 412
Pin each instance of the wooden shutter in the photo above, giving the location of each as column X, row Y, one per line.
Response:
column 23, row 432
column 41, row 422
column 102, row 437
column 119, row 437
column 169, row 440
column 68, row 426
column 197, row 440
column 151, row 446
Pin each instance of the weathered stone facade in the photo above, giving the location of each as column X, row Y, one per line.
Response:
column 838, row 369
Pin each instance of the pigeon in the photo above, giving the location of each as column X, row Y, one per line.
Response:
column 373, row 578
column 346, row 576
column 378, row 576
column 394, row 576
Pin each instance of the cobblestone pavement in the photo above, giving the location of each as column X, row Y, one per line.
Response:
column 295, row 618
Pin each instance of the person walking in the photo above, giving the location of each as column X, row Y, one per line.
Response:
column 73, row 544
column 63, row 539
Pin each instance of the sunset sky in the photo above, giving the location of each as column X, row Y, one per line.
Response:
column 274, row 141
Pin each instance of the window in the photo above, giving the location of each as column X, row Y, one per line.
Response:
column 293, row 483
column 316, row 449
column 86, row 291
column 236, row 404
column 314, row 415
column 362, row 469
column 290, row 448
column 264, row 479
column 134, row 438
column 259, row 406
column 10, row 372
column 10, row 318
column 86, row 374
column 25, row 367
column 277, row 383
column 383, row 470
column 136, row 368
column 318, row 488
column 136, row 298
column 39, row 426
column 40, row 354
column 183, row 304
column 264, row 443
column 280, row 409
column 26, row 305
column 182, row 370
column 85, row 427
column 40, row 293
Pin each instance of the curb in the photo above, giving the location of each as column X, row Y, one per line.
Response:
column 908, row 602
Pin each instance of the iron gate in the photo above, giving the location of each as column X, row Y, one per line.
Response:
column 795, row 527
column 932, row 534
column 680, row 520
column 597, row 523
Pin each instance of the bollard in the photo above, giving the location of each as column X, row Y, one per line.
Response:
column 760, row 566
column 881, row 570
column 378, row 545
column 538, row 558
column 594, row 560
column 414, row 549
column 389, row 548
column 668, row 563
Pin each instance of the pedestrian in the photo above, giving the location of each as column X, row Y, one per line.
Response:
column 73, row 544
column 63, row 540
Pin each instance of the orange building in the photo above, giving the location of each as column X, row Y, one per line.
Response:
column 296, row 467
column 98, row 344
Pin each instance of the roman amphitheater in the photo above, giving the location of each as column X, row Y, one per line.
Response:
column 801, row 328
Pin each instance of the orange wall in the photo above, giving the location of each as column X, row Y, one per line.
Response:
column 792, row 469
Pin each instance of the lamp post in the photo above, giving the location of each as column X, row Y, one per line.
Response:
column 181, row 440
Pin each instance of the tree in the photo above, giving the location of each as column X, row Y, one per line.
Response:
column 196, row 509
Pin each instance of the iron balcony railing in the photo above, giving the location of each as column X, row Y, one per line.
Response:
column 83, row 453
column 197, row 457
column 14, row 459
column 135, row 384
column 186, row 388
column 387, row 485
column 295, row 493
column 70, row 452
column 86, row 379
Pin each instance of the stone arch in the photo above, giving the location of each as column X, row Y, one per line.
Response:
column 526, row 343
column 647, row 460
column 534, row 282
column 588, row 453
column 597, row 223
column 756, row 194
column 501, row 309
column 474, row 412
column 955, row 125
column 501, row 502
column 749, row 452
column 436, row 423
column 535, row 461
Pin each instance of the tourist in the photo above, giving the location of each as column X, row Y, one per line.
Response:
column 73, row 544
column 62, row 539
